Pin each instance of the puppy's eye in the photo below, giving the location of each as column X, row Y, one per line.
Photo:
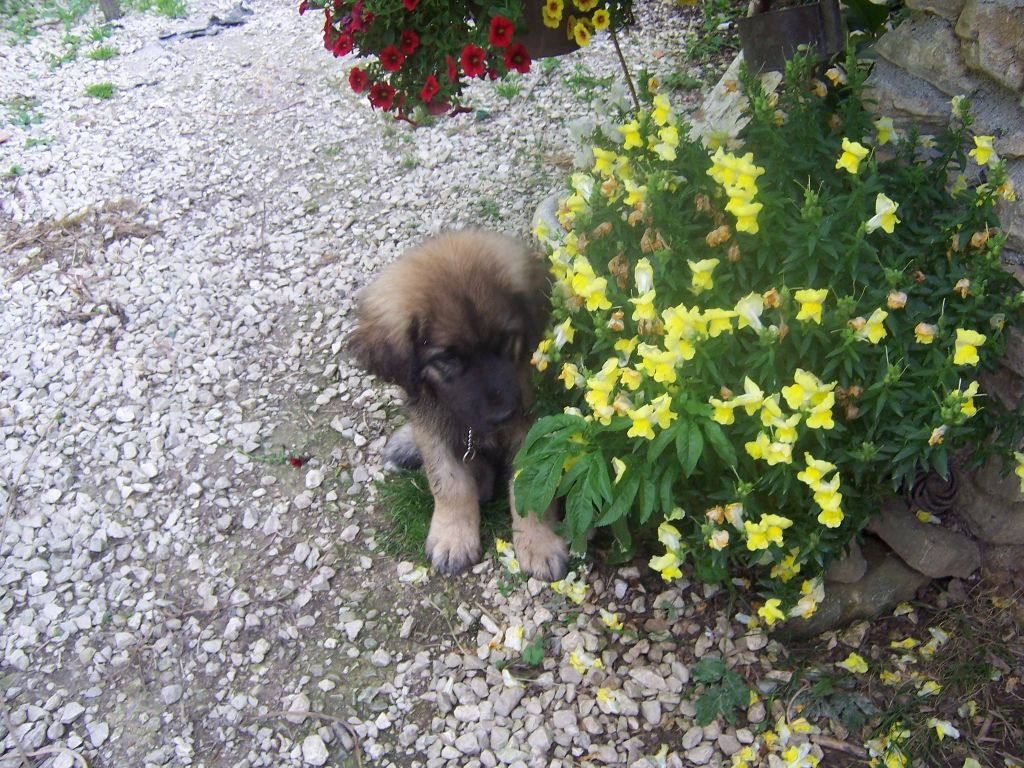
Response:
column 446, row 361
column 510, row 345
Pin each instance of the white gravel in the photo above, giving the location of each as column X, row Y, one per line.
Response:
column 189, row 569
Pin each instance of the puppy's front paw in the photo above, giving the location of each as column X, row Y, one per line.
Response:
column 452, row 549
column 542, row 553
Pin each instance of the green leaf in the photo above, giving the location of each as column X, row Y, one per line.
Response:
column 536, row 483
column 579, row 514
column 627, row 490
column 661, row 442
column 719, row 442
column 689, row 446
column 533, row 654
column 598, row 481
column 668, row 480
column 707, row 670
column 550, row 428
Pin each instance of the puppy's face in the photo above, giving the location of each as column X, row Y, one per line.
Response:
column 475, row 378
column 454, row 323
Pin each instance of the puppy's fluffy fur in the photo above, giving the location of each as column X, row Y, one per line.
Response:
column 454, row 323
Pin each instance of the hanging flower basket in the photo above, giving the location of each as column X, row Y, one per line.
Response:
column 769, row 39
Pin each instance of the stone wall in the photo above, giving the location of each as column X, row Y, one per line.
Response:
column 969, row 47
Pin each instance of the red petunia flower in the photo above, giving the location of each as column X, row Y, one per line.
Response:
column 453, row 73
column 501, row 31
column 357, row 80
column 430, row 89
column 343, row 45
column 410, row 5
column 391, row 58
column 517, row 58
column 303, row 7
column 473, row 60
column 382, row 96
column 409, row 42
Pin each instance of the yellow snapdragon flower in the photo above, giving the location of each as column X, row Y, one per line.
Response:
column 642, row 419
column 662, row 114
column 770, row 612
column 588, row 286
column 965, row 348
column 702, row 274
column 984, row 153
column 885, row 215
column 667, row 565
column 810, row 302
column 768, row 530
column 631, row 137
column 853, row 153
column 885, row 130
column 854, row 663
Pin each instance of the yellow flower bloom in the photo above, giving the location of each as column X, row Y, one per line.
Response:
column 815, row 472
column 767, row 530
column 657, row 363
column 666, row 148
column 604, row 161
column 770, row 611
column 589, row 286
column 619, row 468
column 718, row 540
column 810, row 301
column 924, row 333
column 745, row 213
column 885, row 130
column 631, row 135
column 643, row 273
column 582, row 661
column 564, row 333
column 1019, row 469
column 663, row 413
column 718, row 320
column 983, row 152
column 611, row 620
column 749, row 310
column 642, row 422
column 854, row 663
column 667, row 565
column 574, row 590
column 929, row 688
column 968, row 408
column 552, row 13
column 635, row 193
column 571, row 376
column 724, row 411
column 885, row 215
column 645, row 310
column 662, row 114
column 540, row 357
column 601, row 19
column 890, row 678
column 820, row 416
column 873, row 329
column 853, row 153
column 581, row 32
column 631, row 379
column 702, row 271
column 966, row 347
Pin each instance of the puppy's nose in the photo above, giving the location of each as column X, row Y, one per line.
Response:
column 501, row 405
column 501, row 412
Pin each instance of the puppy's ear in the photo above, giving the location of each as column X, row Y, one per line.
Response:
column 388, row 351
column 536, row 303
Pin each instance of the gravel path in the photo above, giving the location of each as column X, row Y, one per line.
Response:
column 178, row 269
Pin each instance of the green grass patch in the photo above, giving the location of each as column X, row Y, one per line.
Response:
column 24, row 18
column 717, row 31
column 43, row 141
column 100, row 33
column 173, row 9
column 14, row 170
column 100, row 90
column 510, row 87
column 23, row 111
column 102, row 53
column 407, row 504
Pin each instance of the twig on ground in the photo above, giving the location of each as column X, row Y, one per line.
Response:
column 827, row 742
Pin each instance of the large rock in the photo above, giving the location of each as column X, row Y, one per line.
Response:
column 888, row 581
column 1011, row 214
column 850, row 568
column 992, row 519
column 906, row 98
column 935, row 551
column 1003, row 564
column 993, row 35
column 947, row 9
column 928, row 48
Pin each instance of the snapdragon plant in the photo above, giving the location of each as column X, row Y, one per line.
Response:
column 757, row 338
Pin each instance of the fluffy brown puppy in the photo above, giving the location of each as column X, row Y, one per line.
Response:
column 454, row 322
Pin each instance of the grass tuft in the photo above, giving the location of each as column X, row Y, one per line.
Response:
column 407, row 503
column 102, row 53
column 100, row 90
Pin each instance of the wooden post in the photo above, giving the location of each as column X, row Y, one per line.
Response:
column 111, row 9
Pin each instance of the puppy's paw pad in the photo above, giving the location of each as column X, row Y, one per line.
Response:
column 453, row 553
column 542, row 553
